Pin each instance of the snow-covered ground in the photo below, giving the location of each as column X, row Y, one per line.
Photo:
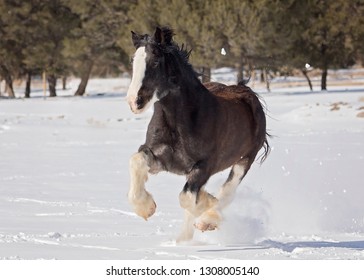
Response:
column 64, row 179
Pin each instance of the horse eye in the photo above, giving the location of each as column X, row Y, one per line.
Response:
column 155, row 64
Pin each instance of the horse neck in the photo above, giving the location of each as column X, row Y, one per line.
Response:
column 188, row 98
column 192, row 94
column 189, row 90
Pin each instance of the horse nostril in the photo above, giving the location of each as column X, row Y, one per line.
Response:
column 139, row 101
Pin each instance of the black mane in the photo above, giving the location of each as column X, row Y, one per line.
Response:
column 184, row 54
column 167, row 45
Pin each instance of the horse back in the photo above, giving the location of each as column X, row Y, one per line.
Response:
column 237, row 93
column 242, row 94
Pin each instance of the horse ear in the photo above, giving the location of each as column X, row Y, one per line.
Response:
column 167, row 35
column 137, row 39
column 163, row 35
column 158, row 35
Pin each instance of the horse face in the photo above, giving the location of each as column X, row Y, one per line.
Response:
column 139, row 96
column 149, row 82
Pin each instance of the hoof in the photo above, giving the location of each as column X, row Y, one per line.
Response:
column 144, row 206
column 147, row 212
column 188, row 201
column 209, row 220
column 205, row 226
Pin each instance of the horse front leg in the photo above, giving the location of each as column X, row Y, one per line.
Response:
column 187, row 228
column 141, row 200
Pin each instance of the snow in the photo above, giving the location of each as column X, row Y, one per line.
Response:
column 64, row 179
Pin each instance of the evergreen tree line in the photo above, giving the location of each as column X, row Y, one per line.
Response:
column 92, row 37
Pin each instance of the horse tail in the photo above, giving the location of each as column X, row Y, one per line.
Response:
column 244, row 82
column 258, row 110
column 266, row 148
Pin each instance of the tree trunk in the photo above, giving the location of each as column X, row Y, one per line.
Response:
column 266, row 78
column 9, row 87
column 27, row 84
column 262, row 76
column 206, row 74
column 324, row 79
column 44, row 82
column 252, row 74
column 64, row 82
column 253, row 77
column 8, row 81
column 305, row 73
column 52, row 82
column 84, row 79
column 239, row 71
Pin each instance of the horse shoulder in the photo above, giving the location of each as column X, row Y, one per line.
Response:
column 157, row 132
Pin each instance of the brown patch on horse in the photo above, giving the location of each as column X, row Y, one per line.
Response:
column 214, row 86
column 238, row 92
column 242, row 93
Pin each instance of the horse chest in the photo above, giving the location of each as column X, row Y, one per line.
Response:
column 173, row 145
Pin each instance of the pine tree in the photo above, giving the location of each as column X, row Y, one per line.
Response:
column 281, row 26
column 49, row 24
column 326, row 39
column 94, row 43
column 10, row 43
column 191, row 22
column 320, row 33
column 240, row 24
column 355, row 27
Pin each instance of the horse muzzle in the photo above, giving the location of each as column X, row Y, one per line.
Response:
column 136, row 104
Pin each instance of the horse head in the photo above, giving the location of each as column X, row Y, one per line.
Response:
column 152, row 79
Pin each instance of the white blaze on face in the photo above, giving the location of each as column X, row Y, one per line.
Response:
column 139, row 67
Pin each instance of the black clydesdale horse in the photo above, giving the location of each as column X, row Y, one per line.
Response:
column 196, row 130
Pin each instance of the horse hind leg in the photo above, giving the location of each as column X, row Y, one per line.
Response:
column 211, row 219
column 202, row 205
column 141, row 200
column 228, row 190
column 189, row 225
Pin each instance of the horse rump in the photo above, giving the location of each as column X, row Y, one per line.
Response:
column 243, row 93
